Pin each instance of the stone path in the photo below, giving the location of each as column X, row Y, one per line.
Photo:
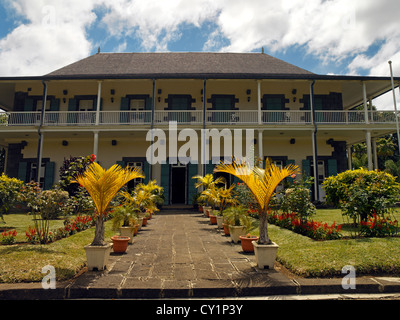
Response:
column 179, row 254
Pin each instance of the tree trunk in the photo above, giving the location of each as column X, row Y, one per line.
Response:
column 99, row 232
column 263, row 229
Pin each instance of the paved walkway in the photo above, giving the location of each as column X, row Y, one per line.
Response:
column 180, row 255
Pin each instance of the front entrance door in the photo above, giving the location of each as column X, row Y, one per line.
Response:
column 178, row 183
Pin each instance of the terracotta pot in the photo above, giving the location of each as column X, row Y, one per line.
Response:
column 145, row 221
column 201, row 209
column 120, row 244
column 226, row 229
column 247, row 245
column 213, row 219
column 207, row 211
column 135, row 232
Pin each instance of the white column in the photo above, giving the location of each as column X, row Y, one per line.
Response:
column 375, row 153
column 368, row 133
column 349, row 158
column 259, row 102
column 369, row 150
column 96, row 143
column 98, row 104
column 260, row 145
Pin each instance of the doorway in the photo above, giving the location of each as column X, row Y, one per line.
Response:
column 178, row 183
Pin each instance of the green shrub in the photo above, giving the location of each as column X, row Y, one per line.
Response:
column 298, row 200
column 361, row 193
column 9, row 191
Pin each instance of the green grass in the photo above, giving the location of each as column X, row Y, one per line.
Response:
column 24, row 262
column 310, row 258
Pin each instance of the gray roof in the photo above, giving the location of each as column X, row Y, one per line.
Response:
column 180, row 65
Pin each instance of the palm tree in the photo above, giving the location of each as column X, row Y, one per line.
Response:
column 207, row 182
column 262, row 184
column 102, row 186
column 220, row 196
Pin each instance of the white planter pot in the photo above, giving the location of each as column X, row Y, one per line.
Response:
column 236, row 232
column 127, row 232
column 265, row 254
column 207, row 209
column 140, row 223
column 97, row 256
column 220, row 220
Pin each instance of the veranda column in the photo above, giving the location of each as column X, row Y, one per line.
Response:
column 349, row 158
column 368, row 132
column 260, row 145
column 96, row 133
column 40, row 133
column 96, row 143
column 375, row 154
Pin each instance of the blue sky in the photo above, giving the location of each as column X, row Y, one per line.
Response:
column 355, row 37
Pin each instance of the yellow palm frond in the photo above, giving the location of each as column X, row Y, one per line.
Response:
column 261, row 182
column 102, row 185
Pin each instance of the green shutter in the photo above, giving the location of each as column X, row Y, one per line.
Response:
column 121, row 163
column 22, row 171
column 332, row 167
column 28, row 106
column 54, row 107
column 210, row 168
column 124, row 107
column 289, row 162
column 165, row 168
column 148, row 107
column 192, row 171
column 49, row 175
column 306, row 168
column 72, row 108
column 146, row 171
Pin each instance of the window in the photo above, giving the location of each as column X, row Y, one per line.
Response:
column 137, row 104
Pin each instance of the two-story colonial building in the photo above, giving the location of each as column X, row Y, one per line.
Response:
column 107, row 103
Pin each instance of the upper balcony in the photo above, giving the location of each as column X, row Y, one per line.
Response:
column 194, row 118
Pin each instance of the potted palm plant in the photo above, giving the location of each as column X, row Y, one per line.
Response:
column 262, row 184
column 125, row 220
column 206, row 183
column 238, row 221
column 102, row 185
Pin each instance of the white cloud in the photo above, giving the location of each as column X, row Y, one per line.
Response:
column 52, row 36
column 53, row 33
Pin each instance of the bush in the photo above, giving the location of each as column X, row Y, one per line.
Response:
column 9, row 191
column 70, row 168
column 53, row 204
column 298, row 200
column 361, row 193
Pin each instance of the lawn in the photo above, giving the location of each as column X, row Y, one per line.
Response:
column 24, row 262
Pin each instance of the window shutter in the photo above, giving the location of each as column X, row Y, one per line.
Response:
column 54, row 107
column 289, row 162
column 192, row 171
column 22, row 171
column 124, row 107
column 72, row 108
column 146, row 171
column 306, row 168
column 332, row 167
column 121, row 163
column 148, row 107
column 49, row 175
column 165, row 168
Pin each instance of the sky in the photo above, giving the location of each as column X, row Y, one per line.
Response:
column 356, row 37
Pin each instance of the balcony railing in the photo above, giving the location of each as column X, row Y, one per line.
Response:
column 194, row 117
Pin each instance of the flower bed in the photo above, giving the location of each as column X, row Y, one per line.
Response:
column 312, row 229
column 377, row 226
column 71, row 226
